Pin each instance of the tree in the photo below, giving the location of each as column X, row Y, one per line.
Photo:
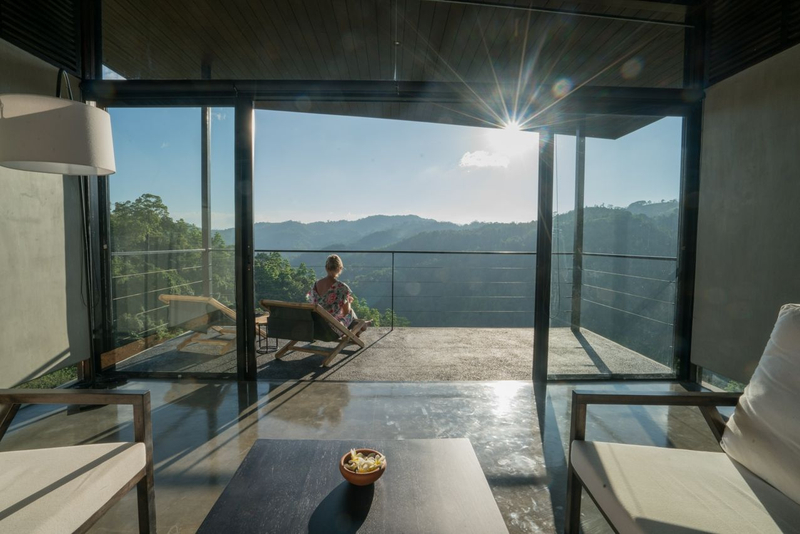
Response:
column 144, row 231
column 276, row 279
column 223, row 271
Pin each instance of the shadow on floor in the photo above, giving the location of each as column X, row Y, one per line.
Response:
column 598, row 362
column 414, row 354
column 304, row 366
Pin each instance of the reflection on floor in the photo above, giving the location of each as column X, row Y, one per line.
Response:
column 202, row 430
column 420, row 354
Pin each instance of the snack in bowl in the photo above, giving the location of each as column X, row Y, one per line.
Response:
column 362, row 466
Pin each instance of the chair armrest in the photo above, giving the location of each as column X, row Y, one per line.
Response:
column 707, row 402
column 99, row 397
column 11, row 399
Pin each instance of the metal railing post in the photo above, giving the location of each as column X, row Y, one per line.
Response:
column 392, row 292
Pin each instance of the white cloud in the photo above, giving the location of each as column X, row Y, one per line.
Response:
column 219, row 116
column 164, row 144
column 481, row 158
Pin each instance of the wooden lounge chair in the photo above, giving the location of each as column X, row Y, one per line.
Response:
column 67, row 489
column 203, row 315
column 309, row 322
column 751, row 486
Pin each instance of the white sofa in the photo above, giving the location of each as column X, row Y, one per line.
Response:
column 67, row 489
column 751, row 486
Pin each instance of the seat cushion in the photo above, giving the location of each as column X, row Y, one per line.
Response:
column 764, row 432
column 660, row 490
column 58, row 490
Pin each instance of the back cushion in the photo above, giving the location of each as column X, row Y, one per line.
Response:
column 764, row 432
column 290, row 323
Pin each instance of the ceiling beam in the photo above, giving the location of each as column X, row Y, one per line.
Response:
column 587, row 99
column 499, row 4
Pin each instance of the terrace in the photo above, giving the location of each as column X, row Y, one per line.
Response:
column 601, row 233
column 418, row 355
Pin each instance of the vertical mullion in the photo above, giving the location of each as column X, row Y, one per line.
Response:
column 91, row 32
column 577, row 256
column 205, row 194
column 245, row 298
column 96, row 208
column 544, row 259
column 687, row 243
column 694, row 77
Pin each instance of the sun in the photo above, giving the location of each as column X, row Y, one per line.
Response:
column 511, row 139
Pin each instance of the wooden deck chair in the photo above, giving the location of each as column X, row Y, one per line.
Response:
column 202, row 315
column 309, row 322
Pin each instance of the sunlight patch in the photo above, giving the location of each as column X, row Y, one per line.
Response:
column 481, row 158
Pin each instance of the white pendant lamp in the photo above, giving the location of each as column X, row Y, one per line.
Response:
column 55, row 135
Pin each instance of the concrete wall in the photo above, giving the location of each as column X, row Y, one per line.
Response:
column 44, row 322
column 748, row 261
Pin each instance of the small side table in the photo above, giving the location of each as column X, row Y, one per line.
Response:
column 263, row 335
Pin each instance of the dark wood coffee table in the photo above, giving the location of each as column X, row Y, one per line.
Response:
column 284, row 486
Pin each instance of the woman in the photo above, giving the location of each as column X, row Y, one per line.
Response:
column 335, row 296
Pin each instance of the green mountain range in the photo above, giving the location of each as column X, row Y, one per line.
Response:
column 643, row 228
column 368, row 233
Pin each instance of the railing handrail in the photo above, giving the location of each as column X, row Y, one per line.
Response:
column 485, row 252
column 336, row 251
column 622, row 256
column 155, row 252
column 462, row 252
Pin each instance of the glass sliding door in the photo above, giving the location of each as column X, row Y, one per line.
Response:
column 171, row 204
column 615, row 245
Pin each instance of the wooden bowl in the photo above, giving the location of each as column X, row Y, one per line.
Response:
column 360, row 479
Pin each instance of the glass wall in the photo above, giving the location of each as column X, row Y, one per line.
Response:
column 566, row 354
column 221, row 207
column 436, row 225
column 615, row 239
column 168, row 261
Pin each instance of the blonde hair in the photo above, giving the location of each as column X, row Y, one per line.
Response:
column 334, row 264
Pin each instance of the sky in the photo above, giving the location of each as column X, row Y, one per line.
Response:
column 323, row 167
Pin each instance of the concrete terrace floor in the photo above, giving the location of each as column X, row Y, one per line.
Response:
column 419, row 355
column 202, row 430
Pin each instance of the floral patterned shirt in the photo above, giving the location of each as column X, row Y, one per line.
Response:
column 333, row 300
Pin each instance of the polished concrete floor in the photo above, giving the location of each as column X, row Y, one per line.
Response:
column 202, row 430
column 420, row 354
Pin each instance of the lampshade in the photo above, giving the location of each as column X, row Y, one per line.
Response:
column 55, row 135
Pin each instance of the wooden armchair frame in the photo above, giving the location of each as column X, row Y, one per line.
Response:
column 347, row 335
column 12, row 399
column 707, row 402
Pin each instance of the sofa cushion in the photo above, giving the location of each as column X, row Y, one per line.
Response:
column 764, row 432
column 660, row 490
column 58, row 490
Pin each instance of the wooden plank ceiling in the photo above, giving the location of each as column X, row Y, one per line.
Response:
column 407, row 40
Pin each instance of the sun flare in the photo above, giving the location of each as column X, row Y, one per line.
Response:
column 511, row 139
